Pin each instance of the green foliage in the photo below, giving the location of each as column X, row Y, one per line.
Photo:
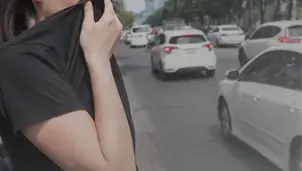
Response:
column 126, row 17
column 246, row 13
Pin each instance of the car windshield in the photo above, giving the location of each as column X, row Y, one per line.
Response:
column 230, row 29
column 140, row 29
column 295, row 31
column 187, row 39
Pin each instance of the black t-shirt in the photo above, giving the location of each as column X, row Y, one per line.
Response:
column 43, row 75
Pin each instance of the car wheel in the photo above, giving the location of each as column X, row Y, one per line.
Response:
column 295, row 161
column 152, row 66
column 225, row 120
column 242, row 58
column 217, row 43
column 210, row 73
column 162, row 75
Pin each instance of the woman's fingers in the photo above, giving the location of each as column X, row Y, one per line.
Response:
column 89, row 15
column 108, row 5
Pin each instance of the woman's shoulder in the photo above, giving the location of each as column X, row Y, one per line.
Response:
column 22, row 52
column 22, row 57
column 11, row 50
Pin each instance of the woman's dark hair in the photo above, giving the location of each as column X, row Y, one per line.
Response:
column 14, row 17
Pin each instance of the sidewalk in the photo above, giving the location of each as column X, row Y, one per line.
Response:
column 145, row 149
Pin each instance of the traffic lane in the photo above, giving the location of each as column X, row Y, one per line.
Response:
column 184, row 115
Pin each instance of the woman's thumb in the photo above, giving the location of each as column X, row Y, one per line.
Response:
column 89, row 15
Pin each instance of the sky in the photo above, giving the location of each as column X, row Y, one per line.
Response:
column 135, row 5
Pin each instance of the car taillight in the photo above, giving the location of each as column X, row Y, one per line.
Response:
column 169, row 49
column 209, row 46
column 286, row 39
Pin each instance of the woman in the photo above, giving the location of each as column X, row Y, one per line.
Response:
column 44, row 125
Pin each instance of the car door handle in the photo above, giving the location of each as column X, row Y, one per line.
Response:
column 256, row 97
column 293, row 109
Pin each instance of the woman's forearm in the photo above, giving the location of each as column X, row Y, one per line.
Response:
column 110, row 119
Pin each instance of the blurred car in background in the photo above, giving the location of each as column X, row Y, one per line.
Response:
column 226, row 35
column 268, row 35
column 139, row 35
column 182, row 51
column 127, row 38
column 261, row 104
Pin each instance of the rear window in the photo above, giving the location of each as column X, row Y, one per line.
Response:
column 192, row 39
column 140, row 29
column 230, row 29
column 295, row 31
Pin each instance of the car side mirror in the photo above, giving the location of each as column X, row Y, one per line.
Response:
column 232, row 75
column 247, row 37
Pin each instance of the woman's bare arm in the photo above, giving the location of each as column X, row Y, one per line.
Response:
column 76, row 143
column 111, row 122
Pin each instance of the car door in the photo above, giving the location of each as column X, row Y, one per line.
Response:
column 250, row 87
column 158, row 49
column 259, row 40
column 278, row 108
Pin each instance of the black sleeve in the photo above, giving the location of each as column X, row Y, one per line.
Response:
column 34, row 89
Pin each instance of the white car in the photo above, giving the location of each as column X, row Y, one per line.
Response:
column 183, row 51
column 268, row 35
column 226, row 35
column 261, row 104
column 139, row 35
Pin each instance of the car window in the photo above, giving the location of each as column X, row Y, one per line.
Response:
column 289, row 72
column 140, row 29
column 262, row 69
column 230, row 29
column 295, row 31
column 185, row 39
column 266, row 32
column 216, row 30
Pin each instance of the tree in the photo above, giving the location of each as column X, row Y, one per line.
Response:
column 126, row 17
column 262, row 12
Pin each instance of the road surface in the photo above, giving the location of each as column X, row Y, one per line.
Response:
column 182, row 112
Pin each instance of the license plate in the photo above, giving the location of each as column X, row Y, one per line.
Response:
column 190, row 51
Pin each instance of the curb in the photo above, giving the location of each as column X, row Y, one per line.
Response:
column 146, row 151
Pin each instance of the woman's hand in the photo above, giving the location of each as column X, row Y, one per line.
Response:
column 98, row 39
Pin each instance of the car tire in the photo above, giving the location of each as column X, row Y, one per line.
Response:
column 225, row 120
column 210, row 73
column 154, row 71
column 242, row 58
column 295, row 159
column 162, row 75
column 217, row 43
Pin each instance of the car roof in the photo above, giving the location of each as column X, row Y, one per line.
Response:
column 173, row 33
column 138, row 26
column 228, row 25
column 283, row 24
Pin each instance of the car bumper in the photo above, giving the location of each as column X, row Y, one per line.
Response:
column 230, row 42
column 189, row 69
column 142, row 42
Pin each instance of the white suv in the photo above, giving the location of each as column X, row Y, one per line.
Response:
column 268, row 35
column 226, row 35
column 183, row 51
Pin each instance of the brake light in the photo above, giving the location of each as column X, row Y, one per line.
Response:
column 286, row 39
column 188, row 35
column 169, row 49
column 209, row 46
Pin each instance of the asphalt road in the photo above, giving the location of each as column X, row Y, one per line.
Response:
column 183, row 113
